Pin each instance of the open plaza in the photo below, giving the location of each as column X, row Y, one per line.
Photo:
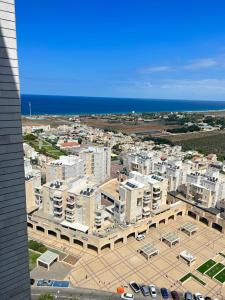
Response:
column 165, row 268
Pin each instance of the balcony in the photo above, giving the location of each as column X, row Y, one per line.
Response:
column 146, row 212
column 58, row 214
column 57, row 204
column 70, row 207
column 70, row 200
column 146, row 199
column 155, row 206
column 98, row 222
column 70, row 218
column 156, row 193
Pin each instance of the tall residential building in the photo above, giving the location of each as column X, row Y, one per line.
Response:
column 98, row 163
column 207, row 190
column 65, row 167
column 14, row 270
column 72, row 203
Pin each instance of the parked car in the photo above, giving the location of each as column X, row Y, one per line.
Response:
column 188, row 296
column 32, row 281
column 198, row 296
column 208, row 298
column 135, row 287
column 44, row 282
column 175, row 295
column 127, row 296
column 145, row 290
column 140, row 237
column 152, row 291
column 165, row 293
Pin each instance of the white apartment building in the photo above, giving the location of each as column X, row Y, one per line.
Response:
column 141, row 195
column 83, row 198
column 65, row 167
column 72, row 203
column 32, row 181
column 207, row 190
column 54, row 199
column 98, row 163
column 140, row 163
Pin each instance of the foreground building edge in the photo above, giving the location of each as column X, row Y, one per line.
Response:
column 14, row 275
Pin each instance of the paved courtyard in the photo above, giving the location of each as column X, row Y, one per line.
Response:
column 57, row 271
column 115, row 268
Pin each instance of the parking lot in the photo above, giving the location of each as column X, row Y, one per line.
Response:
column 117, row 268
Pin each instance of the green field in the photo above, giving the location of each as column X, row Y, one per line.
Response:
column 214, row 270
column 43, row 147
column 206, row 266
column 221, row 276
column 33, row 256
column 190, row 275
column 213, row 143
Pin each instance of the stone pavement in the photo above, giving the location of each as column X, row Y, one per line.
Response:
column 116, row 268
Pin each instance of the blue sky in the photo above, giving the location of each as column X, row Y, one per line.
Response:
column 122, row 48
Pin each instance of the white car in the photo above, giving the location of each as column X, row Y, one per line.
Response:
column 198, row 296
column 127, row 296
column 140, row 237
column 152, row 291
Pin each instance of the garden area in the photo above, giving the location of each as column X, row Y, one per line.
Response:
column 33, row 256
column 36, row 246
column 220, row 277
column 206, row 266
column 42, row 146
column 35, row 250
column 190, row 275
column 215, row 270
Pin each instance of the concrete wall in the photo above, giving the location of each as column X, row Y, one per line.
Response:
column 14, row 271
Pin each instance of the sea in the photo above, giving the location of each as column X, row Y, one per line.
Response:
column 76, row 105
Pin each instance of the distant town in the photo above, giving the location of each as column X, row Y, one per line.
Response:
column 108, row 207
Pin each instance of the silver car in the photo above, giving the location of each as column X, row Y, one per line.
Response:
column 152, row 291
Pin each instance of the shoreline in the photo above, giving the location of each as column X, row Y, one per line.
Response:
column 120, row 113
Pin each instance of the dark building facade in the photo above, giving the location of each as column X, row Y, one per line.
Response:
column 14, row 270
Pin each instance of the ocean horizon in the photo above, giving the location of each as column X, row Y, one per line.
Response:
column 78, row 105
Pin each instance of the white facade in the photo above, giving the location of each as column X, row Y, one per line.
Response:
column 65, row 167
column 98, row 163
column 207, row 190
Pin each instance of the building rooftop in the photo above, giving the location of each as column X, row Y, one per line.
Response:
column 75, row 226
column 81, row 185
column 48, row 257
column 110, row 188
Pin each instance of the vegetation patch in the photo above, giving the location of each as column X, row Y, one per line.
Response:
column 215, row 270
column 157, row 140
column 221, row 276
column 46, row 297
column 184, row 129
column 36, row 246
column 206, row 266
column 204, row 142
column 190, row 275
column 33, row 256
column 42, row 146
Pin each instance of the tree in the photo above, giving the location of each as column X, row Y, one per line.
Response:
column 80, row 141
column 30, row 137
column 46, row 297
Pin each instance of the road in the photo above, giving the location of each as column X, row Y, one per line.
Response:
column 80, row 294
